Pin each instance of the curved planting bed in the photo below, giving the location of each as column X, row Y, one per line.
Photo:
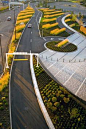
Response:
column 64, row 111
column 66, row 48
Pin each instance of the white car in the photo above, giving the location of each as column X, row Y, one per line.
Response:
column 9, row 18
column 29, row 25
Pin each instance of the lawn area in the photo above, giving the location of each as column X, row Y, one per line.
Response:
column 64, row 111
column 67, row 48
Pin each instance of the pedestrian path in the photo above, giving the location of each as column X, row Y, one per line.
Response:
column 68, row 68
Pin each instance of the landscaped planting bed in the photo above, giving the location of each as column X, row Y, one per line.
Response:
column 66, row 48
column 4, row 102
column 72, row 23
column 46, row 30
column 64, row 111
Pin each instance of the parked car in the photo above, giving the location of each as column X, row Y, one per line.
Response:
column 29, row 25
column 9, row 18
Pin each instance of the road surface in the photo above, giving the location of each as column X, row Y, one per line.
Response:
column 24, row 106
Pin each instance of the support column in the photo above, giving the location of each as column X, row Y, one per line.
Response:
column 9, row 5
column 23, row 6
column 37, row 61
column 7, row 61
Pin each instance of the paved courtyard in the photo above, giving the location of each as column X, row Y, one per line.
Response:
column 68, row 68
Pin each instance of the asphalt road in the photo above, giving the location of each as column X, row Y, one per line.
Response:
column 62, row 26
column 69, row 6
column 25, row 109
column 6, row 28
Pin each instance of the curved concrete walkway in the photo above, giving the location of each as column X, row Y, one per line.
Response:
column 68, row 68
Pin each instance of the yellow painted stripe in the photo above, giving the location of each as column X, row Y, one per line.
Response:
column 20, row 59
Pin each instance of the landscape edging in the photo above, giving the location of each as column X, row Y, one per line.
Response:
column 40, row 101
column 63, row 21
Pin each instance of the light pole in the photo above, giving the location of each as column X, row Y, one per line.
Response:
column 14, row 23
column 1, row 52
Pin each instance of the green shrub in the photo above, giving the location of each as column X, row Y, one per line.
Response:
column 56, row 104
column 49, row 105
column 1, row 108
column 74, row 113
column 54, row 99
column 53, row 109
column 66, row 100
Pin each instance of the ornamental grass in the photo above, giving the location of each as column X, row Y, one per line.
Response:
column 48, row 10
column 4, row 81
column 17, row 36
column 83, row 29
column 50, row 13
column 23, row 17
column 67, row 20
column 20, row 21
column 62, row 43
column 57, row 31
column 11, row 48
column 3, row 8
column 19, row 28
column 68, row 15
column 24, row 14
column 49, row 20
column 47, row 26
column 49, row 16
column 53, row 31
column 72, row 25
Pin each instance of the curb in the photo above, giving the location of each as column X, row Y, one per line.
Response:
column 40, row 101
column 67, row 25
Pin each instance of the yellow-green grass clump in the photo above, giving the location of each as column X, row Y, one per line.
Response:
column 20, row 28
column 50, row 13
column 49, row 16
column 83, row 29
column 57, row 31
column 72, row 25
column 49, row 20
column 47, row 26
column 23, row 17
column 62, row 43
column 4, row 80
column 20, row 21
column 3, row 8
column 17, row 36
column 67, row 20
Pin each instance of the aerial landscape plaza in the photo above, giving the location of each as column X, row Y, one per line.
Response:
column 43, row 64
